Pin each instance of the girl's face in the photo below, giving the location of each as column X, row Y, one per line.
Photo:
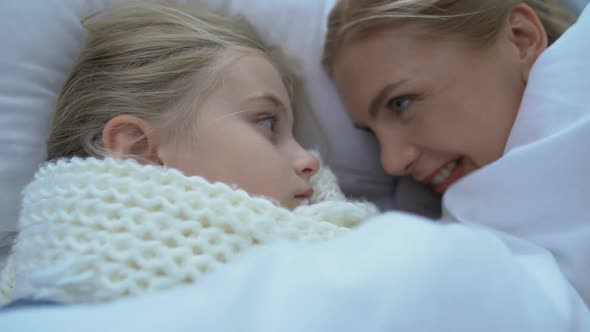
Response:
column 439, row 108
column 244, row 135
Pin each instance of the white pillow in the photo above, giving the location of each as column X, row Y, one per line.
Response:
column 38, row 49
column 42, row 38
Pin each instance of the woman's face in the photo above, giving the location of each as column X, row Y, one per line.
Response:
column 440, row 109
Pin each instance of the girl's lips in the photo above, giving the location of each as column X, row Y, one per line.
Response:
column 305, row 195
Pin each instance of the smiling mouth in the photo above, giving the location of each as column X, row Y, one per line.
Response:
column 444, row 174
column 444, row 177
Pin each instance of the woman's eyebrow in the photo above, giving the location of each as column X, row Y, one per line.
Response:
column 377, row 101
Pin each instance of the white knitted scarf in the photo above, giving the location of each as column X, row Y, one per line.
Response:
column 95, row 230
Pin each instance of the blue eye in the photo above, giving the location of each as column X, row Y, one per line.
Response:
column 400, row 105
column 268, row 122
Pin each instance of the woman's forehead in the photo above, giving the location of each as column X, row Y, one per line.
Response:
column 403, row 51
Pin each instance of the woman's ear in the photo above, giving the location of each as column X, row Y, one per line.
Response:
column 527, row 33
column 130, row 136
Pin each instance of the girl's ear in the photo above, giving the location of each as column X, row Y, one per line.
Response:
column 130, row 136
column 527, row 33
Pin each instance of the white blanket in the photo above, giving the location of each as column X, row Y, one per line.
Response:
column 540, row 189
column 396, row 273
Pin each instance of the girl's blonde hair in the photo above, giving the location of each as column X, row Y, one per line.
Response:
column 476, row 20
column 141, row 59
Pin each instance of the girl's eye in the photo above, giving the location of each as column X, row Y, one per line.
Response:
column 400, row 105
column 268, row 122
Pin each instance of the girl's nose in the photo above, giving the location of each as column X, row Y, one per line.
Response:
column 306, row 164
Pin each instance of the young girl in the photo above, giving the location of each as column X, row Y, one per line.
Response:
column 171, row 152
column 445, row 88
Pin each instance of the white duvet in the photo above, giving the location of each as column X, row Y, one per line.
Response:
column 403, row 273
column 396, row 273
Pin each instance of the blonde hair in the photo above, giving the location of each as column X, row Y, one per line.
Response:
column 141, row 59
column 476, row 20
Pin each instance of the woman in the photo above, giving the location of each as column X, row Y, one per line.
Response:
column 441, row 84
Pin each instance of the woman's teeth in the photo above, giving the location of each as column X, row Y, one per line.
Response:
column 444, row 174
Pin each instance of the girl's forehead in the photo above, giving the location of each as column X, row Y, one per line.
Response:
column 234, row 57
column 251, row 72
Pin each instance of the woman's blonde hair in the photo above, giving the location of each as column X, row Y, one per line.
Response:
column 141, row 59
column 476, row 20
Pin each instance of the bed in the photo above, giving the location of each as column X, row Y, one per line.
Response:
column 504, row 284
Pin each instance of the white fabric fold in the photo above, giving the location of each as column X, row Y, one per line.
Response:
column 539, row 190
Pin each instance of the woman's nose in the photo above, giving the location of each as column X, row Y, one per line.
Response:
column 397, row 155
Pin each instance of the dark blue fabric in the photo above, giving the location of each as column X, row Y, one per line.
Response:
column 25, row 303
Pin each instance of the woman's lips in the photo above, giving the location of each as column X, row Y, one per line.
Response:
column 457, row 173
column 445, row 175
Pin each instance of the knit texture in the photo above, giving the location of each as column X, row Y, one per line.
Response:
column 94, row 230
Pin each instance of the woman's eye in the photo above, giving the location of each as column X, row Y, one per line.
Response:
column 400, row 105
column 368, row 130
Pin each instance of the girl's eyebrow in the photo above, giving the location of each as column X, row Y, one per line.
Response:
column 268, row 98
